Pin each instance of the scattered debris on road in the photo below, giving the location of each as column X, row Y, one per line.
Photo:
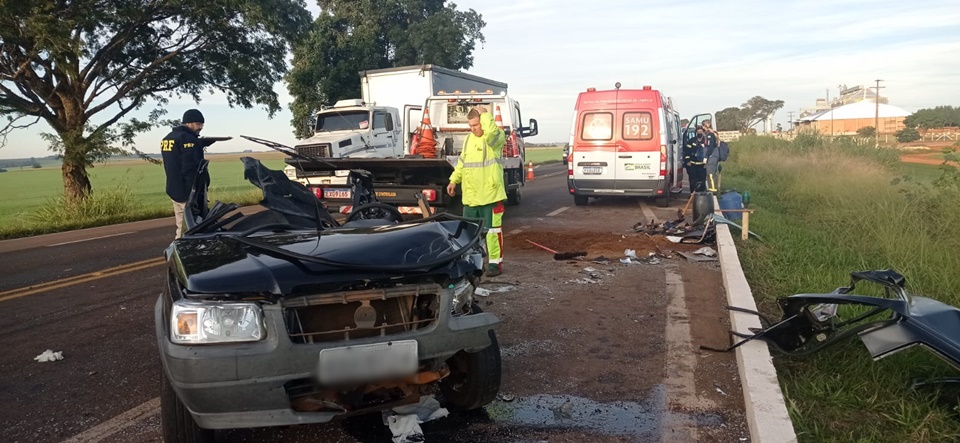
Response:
column 404, row 421
column 49, row 355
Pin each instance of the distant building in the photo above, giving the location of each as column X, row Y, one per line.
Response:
column 847, row 119
column 847, row 96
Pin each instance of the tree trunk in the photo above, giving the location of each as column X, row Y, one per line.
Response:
column 76, row 182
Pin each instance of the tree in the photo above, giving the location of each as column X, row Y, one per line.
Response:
column 938, row 117
column 355, row 35
column 867, row 131
column 750, row 113
column 730, row 119
column 757, row 109
column 907, row 135
column 83, row 66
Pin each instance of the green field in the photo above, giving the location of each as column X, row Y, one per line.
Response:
column 824, row 210
column 32, row 196
column 544, row 155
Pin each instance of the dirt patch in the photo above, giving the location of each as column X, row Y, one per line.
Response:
column 609, row 245
column 926, row 159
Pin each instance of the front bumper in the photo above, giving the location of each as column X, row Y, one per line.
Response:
column 243, row 385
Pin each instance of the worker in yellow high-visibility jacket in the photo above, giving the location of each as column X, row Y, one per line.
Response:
column 479, row 173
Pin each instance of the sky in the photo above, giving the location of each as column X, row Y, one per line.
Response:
column 706, row 55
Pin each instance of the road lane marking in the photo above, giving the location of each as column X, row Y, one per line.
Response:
column 118, row 423
column 515, row 232
column 552, row 174
column 70, row 281
column 88, row 239
column 647, row 213
column 558, row 211
column 681, row 362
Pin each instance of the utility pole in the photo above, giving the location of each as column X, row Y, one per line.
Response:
column 876, row 116
column 790, row 120
column 831, row 113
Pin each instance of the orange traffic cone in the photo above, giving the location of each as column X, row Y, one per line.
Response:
column 427, row 145
column 497, row 118
column 530, row 171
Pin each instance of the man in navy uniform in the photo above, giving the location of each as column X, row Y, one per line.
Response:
column 182, row 151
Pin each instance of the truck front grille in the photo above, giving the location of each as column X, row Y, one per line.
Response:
column 321, row 150
column 359, row 314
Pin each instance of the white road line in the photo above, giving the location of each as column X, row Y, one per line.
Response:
column 118, row 423
column 681, row 362
column 647, row 213
column 558, row 211
column 552, row 174
column 88, row 239
column 515, row 232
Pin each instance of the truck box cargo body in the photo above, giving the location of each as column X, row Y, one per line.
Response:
column 406, row 89
column 448, row 95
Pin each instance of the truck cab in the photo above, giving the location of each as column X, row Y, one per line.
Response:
column 351, row 129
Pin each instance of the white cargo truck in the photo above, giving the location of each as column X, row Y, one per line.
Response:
column 375, row 133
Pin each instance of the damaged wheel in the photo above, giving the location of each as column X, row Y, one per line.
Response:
column 177, row 423
column 474, row 378
column 375, row 210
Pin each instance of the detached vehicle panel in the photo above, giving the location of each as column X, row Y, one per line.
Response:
column 286, row 317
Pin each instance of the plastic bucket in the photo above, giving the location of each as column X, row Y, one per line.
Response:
column 731, row 200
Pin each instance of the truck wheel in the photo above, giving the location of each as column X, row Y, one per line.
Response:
column 474, row 378
column 175, row 420
column 513, row 197
column 580, row 200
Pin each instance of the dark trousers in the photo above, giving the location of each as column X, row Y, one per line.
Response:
column 697, row 176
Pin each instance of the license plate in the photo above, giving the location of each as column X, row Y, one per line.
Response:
column 592, row 170
column 364, row 363
column 336, row 193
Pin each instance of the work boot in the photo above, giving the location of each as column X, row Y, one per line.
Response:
column 493, row 271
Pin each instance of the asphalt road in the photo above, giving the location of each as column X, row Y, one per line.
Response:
column 90, row 295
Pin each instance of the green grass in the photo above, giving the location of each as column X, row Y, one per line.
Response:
column 33, row 196
column 544, row 155
column 825, row 210
column 129, row 190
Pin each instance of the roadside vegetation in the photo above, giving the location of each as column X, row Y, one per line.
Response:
column 825, row 209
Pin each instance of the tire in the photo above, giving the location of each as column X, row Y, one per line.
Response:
column 664, row 200
column 375, row 210
column 474, row 378
column 176, row 423
column 580, row 200
column 514, row 197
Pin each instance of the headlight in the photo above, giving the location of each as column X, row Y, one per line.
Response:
column 215, row 322
column 462, row 296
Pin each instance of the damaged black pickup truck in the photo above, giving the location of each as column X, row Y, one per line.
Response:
column 286, row 316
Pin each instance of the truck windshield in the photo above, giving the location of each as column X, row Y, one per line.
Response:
column 343, row 121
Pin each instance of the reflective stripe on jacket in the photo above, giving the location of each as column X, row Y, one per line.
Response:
column 479, row 171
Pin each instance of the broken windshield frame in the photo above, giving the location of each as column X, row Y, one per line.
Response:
column 342, row 121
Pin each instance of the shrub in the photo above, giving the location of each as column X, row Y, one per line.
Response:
column 907, row 135
column 867, row 131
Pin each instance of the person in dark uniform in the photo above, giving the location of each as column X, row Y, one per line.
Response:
column 694, row 162
column 711, row 143
column 182, row 151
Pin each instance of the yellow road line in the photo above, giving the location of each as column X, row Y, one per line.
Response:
column 62, row 283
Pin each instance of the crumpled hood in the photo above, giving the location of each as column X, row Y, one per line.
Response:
column 221, row 264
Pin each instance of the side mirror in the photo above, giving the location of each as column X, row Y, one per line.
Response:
column 531, row 130
column 309, row 125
